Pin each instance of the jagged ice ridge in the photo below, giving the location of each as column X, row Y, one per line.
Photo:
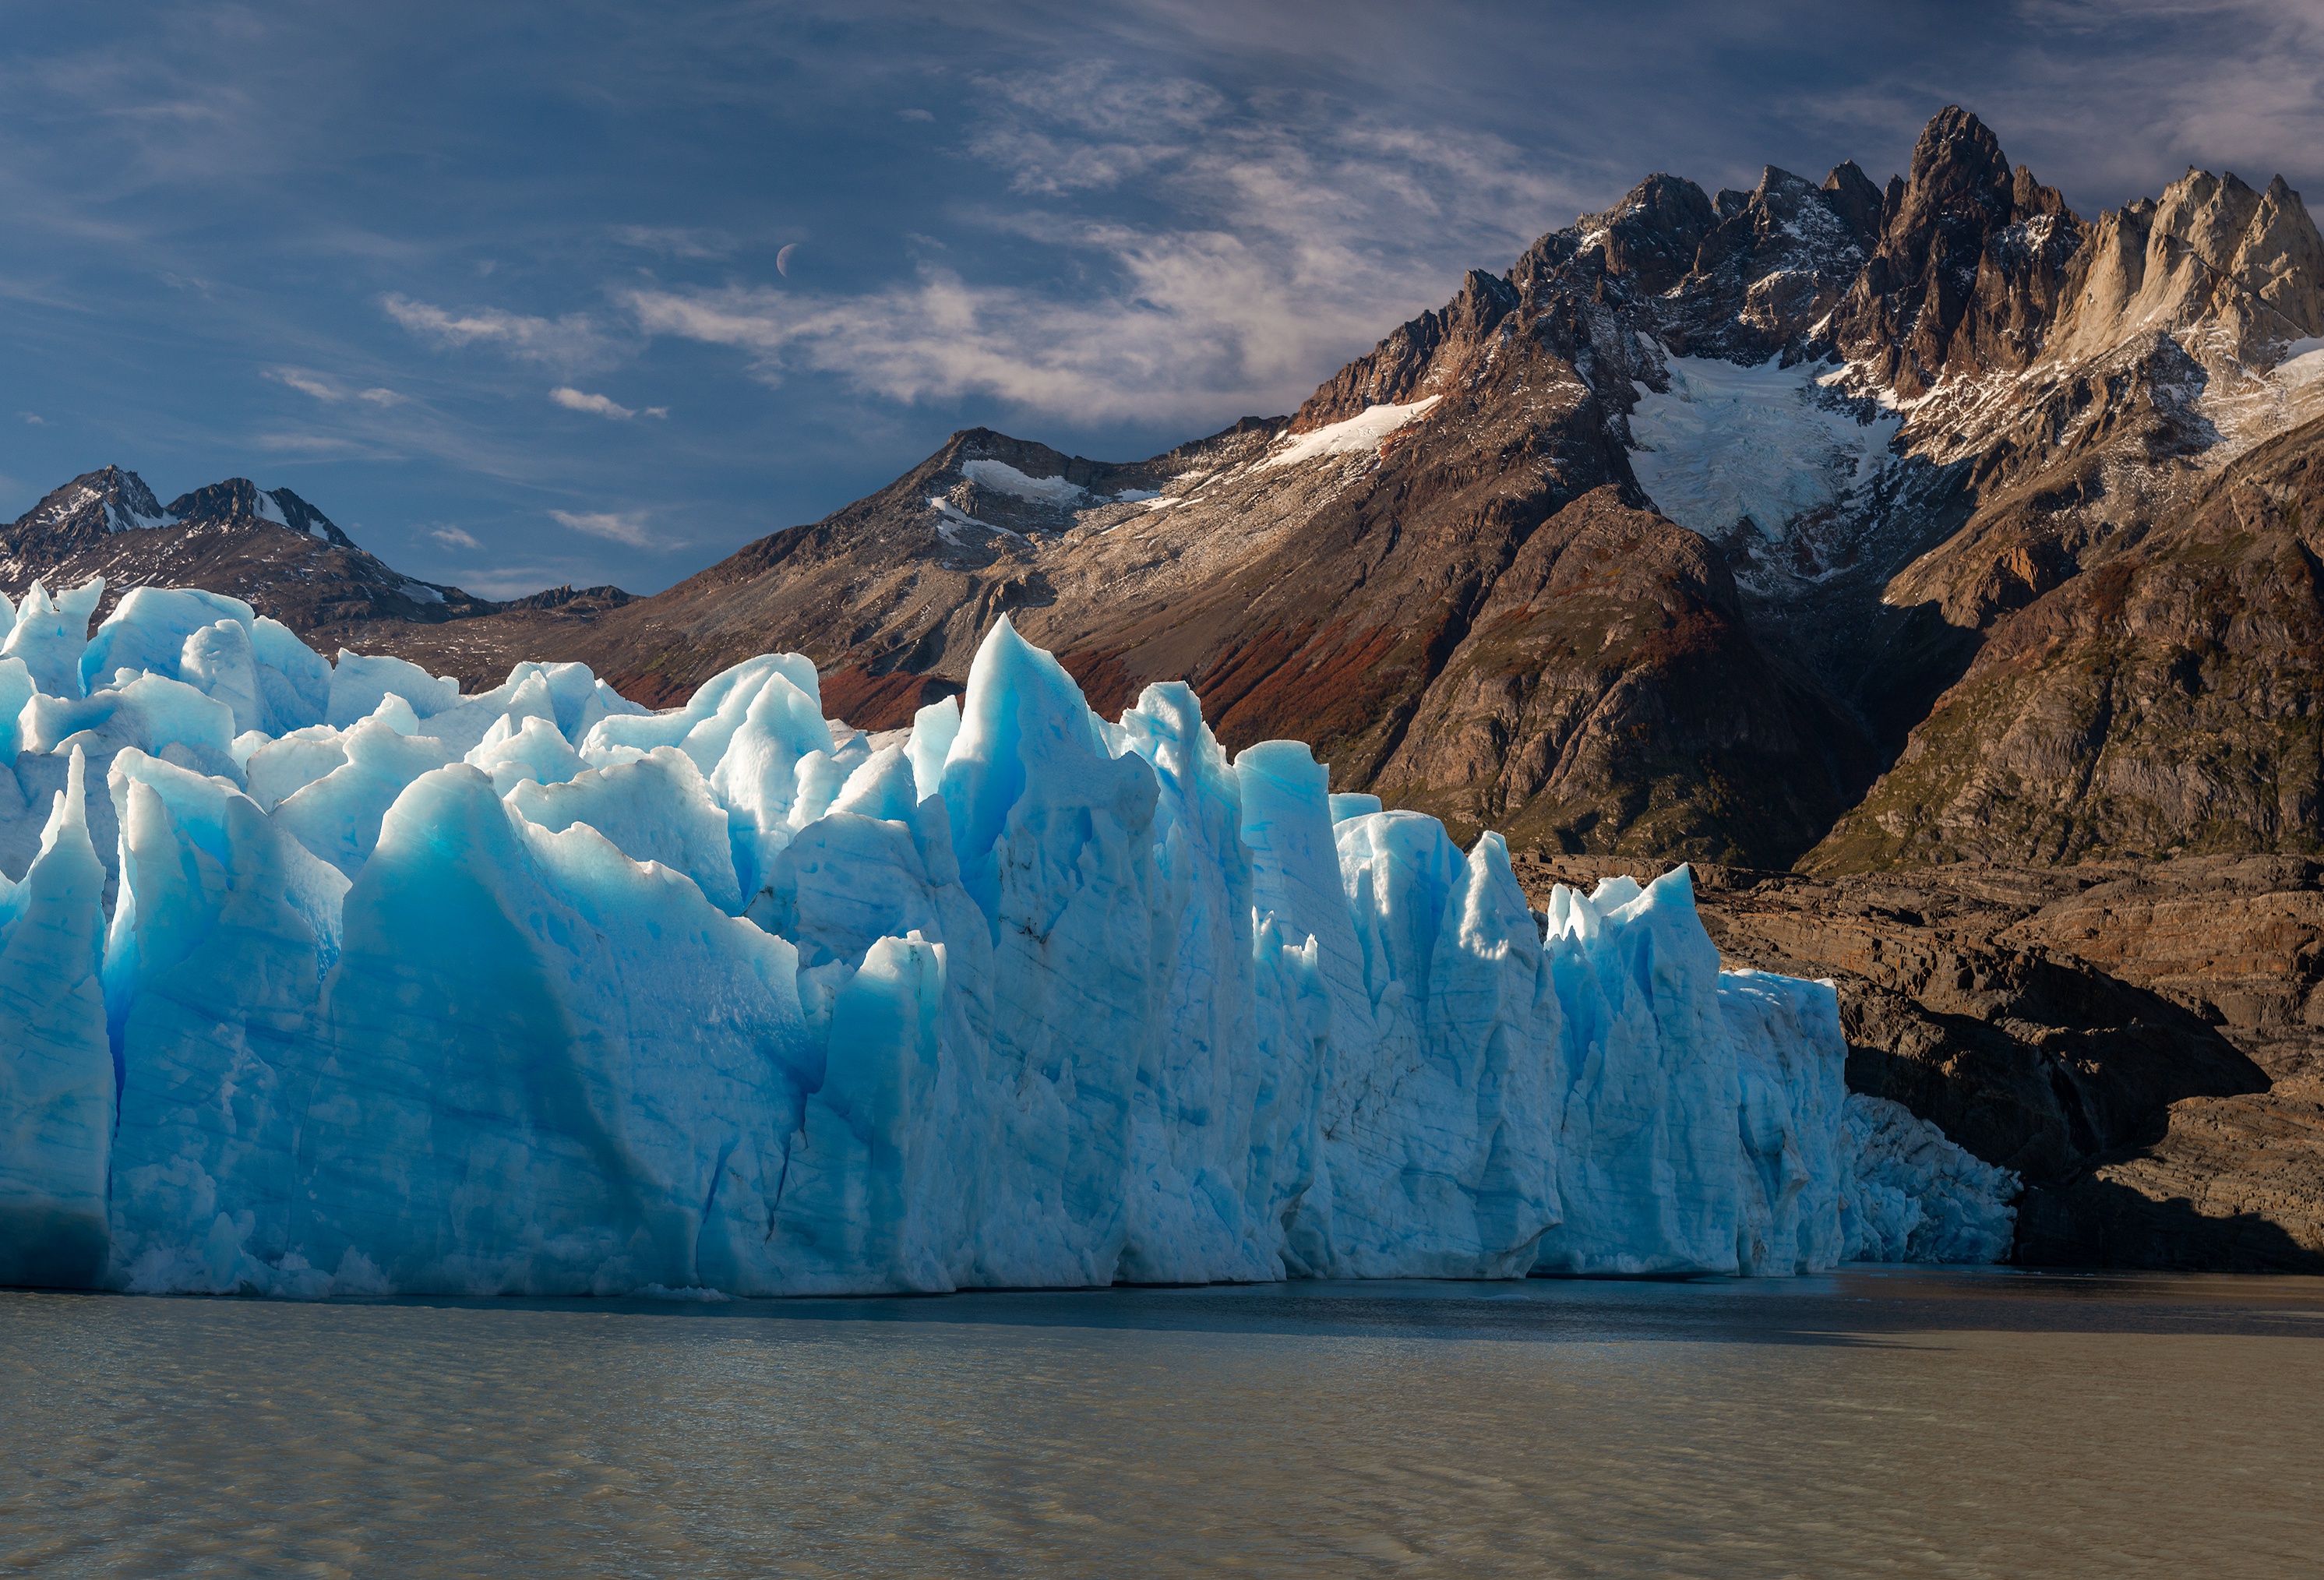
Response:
column 350, row 983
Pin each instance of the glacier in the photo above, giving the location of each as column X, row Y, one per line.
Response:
column 323, row 978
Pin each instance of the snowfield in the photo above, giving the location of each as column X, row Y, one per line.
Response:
column 1358, row 435
column 325, row 979
column 1729, row 444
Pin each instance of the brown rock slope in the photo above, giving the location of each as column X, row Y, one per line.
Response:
column 2169, row 699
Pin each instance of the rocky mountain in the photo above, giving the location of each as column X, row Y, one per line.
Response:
column 1824, row 520
column 1829, row 522
column 270, row 548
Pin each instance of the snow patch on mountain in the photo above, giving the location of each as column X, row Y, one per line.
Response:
column 1003, row 478
column 1729, row 444
column 2248, row 405
column 1363, row 431
column 122, row 518
column 953, row 518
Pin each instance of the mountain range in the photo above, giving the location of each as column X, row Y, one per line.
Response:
column 1824, row 523
column 1837, row 528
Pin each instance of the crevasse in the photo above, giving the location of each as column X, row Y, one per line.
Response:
column 347, row 984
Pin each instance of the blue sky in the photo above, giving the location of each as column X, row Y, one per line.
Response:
column 503, row 288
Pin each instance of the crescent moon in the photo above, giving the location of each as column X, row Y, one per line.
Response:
column 783, row 260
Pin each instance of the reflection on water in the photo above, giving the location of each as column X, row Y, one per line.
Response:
column 1865, row 1424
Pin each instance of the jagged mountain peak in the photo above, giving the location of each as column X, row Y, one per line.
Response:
column 107, row 500
column 269, row 547
column 1954, row 284
column 239, row 501
column 1958, row 155
column 111, row 499
column 2210, row 253
column 1854, row 196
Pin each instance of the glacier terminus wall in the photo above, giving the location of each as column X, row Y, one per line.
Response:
column 323, row 978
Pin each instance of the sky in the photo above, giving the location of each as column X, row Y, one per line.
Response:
column 522, row 294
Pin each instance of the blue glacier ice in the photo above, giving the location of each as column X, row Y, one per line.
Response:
column 56, row 1072
column 324, row 978
column 1913, row 1196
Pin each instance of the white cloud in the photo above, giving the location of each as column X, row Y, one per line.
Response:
column 307, row 384
column 914, row 116
column 454, row 538
column 1301, row 232
column 1091, row 127
column 34, row 417
column 573, row 400
column 619, row 526
column 573, row 341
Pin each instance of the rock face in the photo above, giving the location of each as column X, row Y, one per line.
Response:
column 1966, row 277
column 2165, row 700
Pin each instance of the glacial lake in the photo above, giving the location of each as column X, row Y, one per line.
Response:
column 1902, row 1422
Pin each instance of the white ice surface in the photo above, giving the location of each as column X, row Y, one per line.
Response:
column 1352, row 436
column 1729, row 443
column 1003, row 478
column 734, row 998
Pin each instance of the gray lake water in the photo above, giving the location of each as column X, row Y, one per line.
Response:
column 1898, row 1423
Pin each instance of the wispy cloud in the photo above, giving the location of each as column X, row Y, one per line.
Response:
column 34, row 417
column 454, row 538
column 337, row 446
column 514, row 581
column 572, row 342
column 1297, row 231
column 615, row 526
column 307, row 384
column 677, row 241
column 1300, row 233
column 573, row 400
